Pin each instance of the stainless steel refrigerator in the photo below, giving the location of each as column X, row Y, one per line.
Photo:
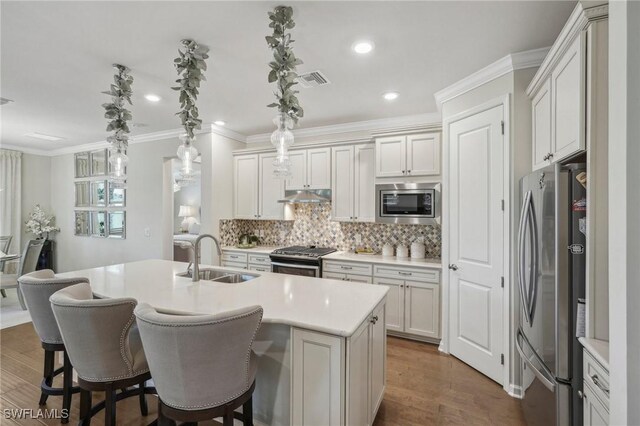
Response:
column 551, row 280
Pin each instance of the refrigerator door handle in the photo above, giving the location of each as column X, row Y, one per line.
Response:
column 535, row 265
column 545, row 377
column 521, row 261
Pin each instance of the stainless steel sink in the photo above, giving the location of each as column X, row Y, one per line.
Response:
column 235, row 278
column 219, row 276
column 205, row 274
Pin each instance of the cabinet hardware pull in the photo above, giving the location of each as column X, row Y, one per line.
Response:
column 550, row 155
column 453, row 267
column 408, row 171
column 345, row 267
column 404, row 273
column 596, row 380
column 404, row 172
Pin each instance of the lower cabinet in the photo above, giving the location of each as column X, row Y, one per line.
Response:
column 347, row 277
column 595, row 391
column 338, row 381
column 595, row 413
column 412, row 307
column 258, row 262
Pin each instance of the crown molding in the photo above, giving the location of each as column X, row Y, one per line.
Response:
column 379, row 125
column 577, row 22
column 512, row 62
column 32, row 151
column 262, row 148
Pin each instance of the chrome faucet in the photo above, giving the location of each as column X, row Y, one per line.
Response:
column 196, row 254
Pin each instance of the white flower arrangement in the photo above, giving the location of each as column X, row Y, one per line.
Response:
column 41, row 223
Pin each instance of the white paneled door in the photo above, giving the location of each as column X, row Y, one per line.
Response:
column 476, row 241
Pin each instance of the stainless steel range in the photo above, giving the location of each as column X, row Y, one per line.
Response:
column 299, row 260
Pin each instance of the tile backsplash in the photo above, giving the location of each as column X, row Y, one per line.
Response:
column 312, row 226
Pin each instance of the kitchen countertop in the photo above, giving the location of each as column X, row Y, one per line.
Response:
column 387, row 260
column 598, row 348
column 258, row 249
column 329, row 306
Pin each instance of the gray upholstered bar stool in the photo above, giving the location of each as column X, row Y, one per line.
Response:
column 202, row 365
column 28, row 263
column 104, row 346
column 36, row 288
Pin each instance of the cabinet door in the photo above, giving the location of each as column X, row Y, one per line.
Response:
column 271, row 189
column 364, row 209
column 318, row 373
column 391, row 156
column 595, row 413
column 423, row 154
column 567, row 85
column 358, row 380
column 358, row 278
column 377, row 355
column 298, row 178
column 342, row 183
column 334, row 275
column 319, row 168
column 422, row 309
column 245, row 187
column 541, row 125
column 395, row 303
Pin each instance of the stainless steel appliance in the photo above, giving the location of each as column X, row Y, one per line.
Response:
column 551, row 279
column 408, row 203
column 299, row 260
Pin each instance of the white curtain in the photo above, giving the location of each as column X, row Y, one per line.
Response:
column 11, row 197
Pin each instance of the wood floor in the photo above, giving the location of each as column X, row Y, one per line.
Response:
column 424, row 387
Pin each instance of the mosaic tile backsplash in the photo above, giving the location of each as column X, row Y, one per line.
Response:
column 312, row 226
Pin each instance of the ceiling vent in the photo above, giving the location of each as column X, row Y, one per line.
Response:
column 4, row 101
column 313, row 79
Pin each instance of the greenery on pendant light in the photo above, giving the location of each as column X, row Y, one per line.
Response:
column 283, row 66
column 190, row 66
column 115, row 111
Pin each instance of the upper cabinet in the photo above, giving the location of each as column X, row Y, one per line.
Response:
column 256, row 191
column 353, row 178
column 310, row 169
column 558, row 108
column 408, row 155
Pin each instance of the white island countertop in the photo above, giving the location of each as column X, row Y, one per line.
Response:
column 330, row 306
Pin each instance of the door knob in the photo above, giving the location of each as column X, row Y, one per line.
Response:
column 453, row 267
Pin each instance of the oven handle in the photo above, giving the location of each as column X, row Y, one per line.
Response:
column 292, row 265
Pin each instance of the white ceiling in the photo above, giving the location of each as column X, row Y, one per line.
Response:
column 57, row 56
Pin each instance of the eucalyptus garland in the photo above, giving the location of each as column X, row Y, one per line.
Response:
column 115, row 111
column 190, row 66
column 283, row 66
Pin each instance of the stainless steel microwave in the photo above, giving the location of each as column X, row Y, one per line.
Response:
column 408, row 203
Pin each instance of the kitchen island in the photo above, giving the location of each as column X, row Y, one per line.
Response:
column 321, row 347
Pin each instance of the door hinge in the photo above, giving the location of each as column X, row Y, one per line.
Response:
column 502, row 127
column 502, row 204
column 502, row 359
column 502, row 282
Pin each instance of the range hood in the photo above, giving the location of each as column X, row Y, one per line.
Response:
column 307, row 196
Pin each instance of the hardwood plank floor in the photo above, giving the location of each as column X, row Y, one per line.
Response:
column 424, row 387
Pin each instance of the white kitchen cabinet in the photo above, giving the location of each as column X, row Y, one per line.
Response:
column 318, row 378
column 378, row 357
column 256, row 190
column 270, row 190
column 407, row 156
column 541, row 125
column 422, row 309
column 310, row 169
column 353, row 183
column 245, row 182
column 594, row 411
column 395, row 303
column 347, row 277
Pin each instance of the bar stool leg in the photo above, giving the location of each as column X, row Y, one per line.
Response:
column 67, row 386
column 85, row 407
column 48, row 373
column 247, row 413
column 228, row 418
column 144, row 410
column 109, row 405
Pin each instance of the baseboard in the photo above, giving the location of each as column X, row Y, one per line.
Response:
column 413, row 337
column 514, row 391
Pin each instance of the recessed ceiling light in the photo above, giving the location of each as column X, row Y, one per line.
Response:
column 219, row 123
column 152, row 98
column 390, row 96
column 43, row 136
column 363, row 47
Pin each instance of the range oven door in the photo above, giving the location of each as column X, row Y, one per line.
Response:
column 293, row 268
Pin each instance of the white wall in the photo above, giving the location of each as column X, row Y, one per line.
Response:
column 147, row 191
column 190, row 195
column 36, row 189
column 624, row 211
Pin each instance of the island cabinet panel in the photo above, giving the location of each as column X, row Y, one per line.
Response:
column 358, row 376
column 318, row 378
column 378, row 360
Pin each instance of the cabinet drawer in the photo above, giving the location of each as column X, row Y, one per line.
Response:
column 260, row 268
column 260, row 259
column 414, row 274
column 333, row 275
column 597, row 378
column 348, row 267
column 232, row 256
column 234, row 265
column 348, row 277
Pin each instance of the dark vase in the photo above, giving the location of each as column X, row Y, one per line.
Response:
column 45, row 261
